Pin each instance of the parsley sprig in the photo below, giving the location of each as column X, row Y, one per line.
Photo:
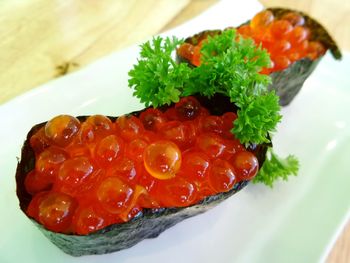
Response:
column 157, row 78
column 232, row 68
column 230, row 65
column 275, row 168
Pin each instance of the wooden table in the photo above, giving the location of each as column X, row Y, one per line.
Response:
column 41, row 40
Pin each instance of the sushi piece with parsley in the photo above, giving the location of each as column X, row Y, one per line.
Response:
column 76, row 181
column 295, row 42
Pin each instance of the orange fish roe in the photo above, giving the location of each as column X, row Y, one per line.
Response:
column 287, row 40
column 97, row 172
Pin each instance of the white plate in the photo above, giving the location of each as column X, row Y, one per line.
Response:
column 293, row 222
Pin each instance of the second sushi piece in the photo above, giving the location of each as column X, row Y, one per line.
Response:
column 296, row 43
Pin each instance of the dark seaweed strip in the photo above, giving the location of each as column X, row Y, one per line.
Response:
column 147, row 224
column 195, row 39
column 287, row 83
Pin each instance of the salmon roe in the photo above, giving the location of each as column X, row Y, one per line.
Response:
column 97, row 172
column 287, row 39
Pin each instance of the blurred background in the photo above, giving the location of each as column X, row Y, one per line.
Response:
column 44, row 39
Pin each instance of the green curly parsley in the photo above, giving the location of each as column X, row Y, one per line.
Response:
column 157, row 78
column 275, row 168
column 228, row 67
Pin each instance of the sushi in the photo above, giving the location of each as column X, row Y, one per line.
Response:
column 97, row 237
column 296, row 43
column 98, row 184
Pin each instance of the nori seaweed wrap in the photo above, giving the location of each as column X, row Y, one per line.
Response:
column 147, row 224
column 287, row 82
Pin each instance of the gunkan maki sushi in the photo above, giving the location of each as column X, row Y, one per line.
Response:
column 98, row 184
column 296, row 43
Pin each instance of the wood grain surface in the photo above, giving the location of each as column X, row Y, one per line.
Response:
column 43, row 39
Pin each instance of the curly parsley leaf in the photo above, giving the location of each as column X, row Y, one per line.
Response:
column 275, row 168
column 256, row 116
column 158, row 79
column 236, row 64
column 232, row 68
